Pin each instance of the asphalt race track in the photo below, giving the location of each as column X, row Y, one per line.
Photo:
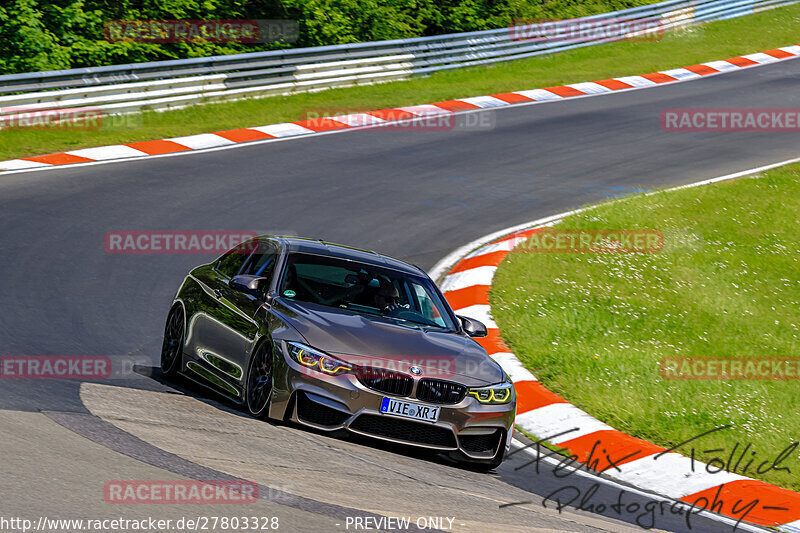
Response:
column 416, row 195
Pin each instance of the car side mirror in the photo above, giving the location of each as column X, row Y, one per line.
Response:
column 249, row 284
column 472, row 327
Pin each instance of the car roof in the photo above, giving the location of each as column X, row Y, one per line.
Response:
column 319, row 247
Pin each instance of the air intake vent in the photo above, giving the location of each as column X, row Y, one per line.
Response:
column 480, row 444
column 316, row 413
column 404, row 430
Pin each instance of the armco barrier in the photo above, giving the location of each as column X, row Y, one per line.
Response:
column 165, row 85
column 436, row 115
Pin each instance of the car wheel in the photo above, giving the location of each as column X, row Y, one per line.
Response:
column 259, row 381
column 172, row 347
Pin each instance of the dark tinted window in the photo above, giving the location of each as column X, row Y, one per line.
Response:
column 230, row 263
column 263, row 260
column 364, row 288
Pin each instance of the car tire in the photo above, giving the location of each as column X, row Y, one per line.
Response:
column 172, row 347
column 258, row 385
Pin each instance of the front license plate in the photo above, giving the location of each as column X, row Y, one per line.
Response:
column 410, row 410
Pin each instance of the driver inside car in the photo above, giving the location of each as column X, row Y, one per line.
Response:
column 387, row 298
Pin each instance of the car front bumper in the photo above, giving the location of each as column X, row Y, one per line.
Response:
column 478, row 431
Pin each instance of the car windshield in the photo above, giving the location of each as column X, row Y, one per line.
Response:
column 364, row 288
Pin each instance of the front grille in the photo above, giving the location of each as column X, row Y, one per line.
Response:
column 478, row 444
column 404, row 430
column 386, row 381
column 316, row 413
column 438, row 391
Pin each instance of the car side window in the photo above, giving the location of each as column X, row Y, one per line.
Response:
column 262, row 262
column 427, row 307
column 230, row 263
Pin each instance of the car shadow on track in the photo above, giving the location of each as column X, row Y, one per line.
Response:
column 187, row 387
column 549, row 485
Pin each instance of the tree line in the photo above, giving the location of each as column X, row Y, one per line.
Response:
column 37, row 35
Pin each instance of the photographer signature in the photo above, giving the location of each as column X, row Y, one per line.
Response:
column 598, row 460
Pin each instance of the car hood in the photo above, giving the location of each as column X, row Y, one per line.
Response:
column 385, row 344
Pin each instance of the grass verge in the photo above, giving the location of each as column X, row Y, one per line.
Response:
column 717, row 40
column 594, row 327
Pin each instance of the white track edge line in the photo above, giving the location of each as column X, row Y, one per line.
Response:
column 342, row 130
column 453, row 257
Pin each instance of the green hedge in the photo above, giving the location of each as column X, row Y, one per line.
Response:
column 40, row 35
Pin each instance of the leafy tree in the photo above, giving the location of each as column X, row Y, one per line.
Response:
column 38, row 35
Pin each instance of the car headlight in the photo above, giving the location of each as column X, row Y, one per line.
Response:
column 493, row 394
column 311, row 358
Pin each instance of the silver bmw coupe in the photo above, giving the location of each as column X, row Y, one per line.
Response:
column 338, row 338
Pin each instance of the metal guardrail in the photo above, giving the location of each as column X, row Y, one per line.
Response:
column 162, row 85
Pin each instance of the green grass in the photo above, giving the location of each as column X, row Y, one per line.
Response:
column 718, row 40
column 593, row 327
